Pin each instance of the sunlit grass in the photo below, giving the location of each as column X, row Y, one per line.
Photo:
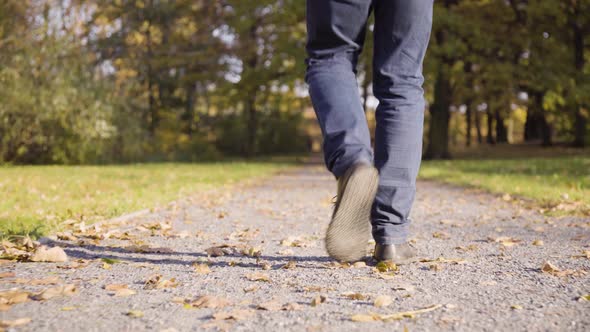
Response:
column 549, row 181
column 36, row 199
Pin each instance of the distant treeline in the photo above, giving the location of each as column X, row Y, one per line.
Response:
column 101, row 81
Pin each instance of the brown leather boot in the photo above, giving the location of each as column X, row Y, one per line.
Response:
column 397, row 253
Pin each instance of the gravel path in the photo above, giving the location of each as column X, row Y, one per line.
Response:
column 482, row 270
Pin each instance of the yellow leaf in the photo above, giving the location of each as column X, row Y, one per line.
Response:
column 382, row 301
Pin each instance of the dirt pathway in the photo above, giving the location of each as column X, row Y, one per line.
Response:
column 482, row 269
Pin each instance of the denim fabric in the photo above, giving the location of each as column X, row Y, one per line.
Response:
column 336, row 32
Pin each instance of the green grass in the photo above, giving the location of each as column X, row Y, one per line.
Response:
column 37, row 199
column 547, row 180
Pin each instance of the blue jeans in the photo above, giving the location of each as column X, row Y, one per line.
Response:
column 336, row 31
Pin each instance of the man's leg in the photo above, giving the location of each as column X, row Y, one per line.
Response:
column 336, row 31
column 402, row 32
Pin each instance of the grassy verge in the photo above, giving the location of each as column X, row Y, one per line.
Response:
column 557, row 183
column 36, row 199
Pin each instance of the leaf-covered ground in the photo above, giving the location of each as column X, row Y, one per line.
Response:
column 251, row 258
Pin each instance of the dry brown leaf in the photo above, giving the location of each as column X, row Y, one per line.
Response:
column 382, row 301
column 435, row 267
column 395, row 316
column 365, row 318
column 550, row 268
column 258, row 277
column 208, row 301
column 238, row 314
column 216, row 251
column 250, row 289
column 115, row 287
column 13, row 297
column 273, row 305
column 538, row 243
column 318, row 300
column 156, row 281
column 134, row 314
column 15, row 323
column 354, row 296
column 202, row 268
column 505, row 241
column 124, row 292
column 290, row 265
column 66, row 236
column 441, row 235
column 51, row 255
column 292, row 306
column 49, row 293
column 7, row 275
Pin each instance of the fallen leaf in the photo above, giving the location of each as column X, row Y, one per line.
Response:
column 441, row 235
column 550, row 268
column 386, row 266
column 15, row 323
column 382, row 301
column 365, row 318
column 7, row 275
column 290, row 265
column 202, row 268
column 208, row 301
column 115, row 287
column 50, row 255
column 538, row 243
column 134, row 314
column 68, row 308
column 250, row 289
column 258, row 277
column 435, row 267
column 156, row 281
column 49, row 293
column 110, row 261
column 13, row 297
column 505, row 241
column 217, row 251
column 292, row 306
column 318, row 300
column 354, row 296
column 584, row 297
column 360, row 264
column 270, row 306
column 395, row 316
column 516, row 307
column 237, row 314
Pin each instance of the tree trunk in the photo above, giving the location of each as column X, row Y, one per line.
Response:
column 438, row 134
column 468, row 116
column 536, row 126
column 152, row 112
column 490, row 122
column 478, row 126
column 580, row 119
column 252, row 127
column 501, row 131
